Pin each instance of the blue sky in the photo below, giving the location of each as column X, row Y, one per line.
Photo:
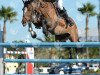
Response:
column 16, row 31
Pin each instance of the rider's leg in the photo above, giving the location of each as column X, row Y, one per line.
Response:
column 63, row 12
column 66, row 17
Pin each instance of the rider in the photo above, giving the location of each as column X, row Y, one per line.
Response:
column 62, row 11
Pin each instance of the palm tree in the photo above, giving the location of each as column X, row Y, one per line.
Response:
column 7, row 14
column 87, row 10
column 99, row 28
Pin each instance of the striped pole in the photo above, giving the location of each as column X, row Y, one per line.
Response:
column 15, row 52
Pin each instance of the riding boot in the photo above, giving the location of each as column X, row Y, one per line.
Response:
column 64, row 14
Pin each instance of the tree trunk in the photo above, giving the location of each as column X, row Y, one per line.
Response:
column 99, row 28
column 4, row 32
column 52, row 55
column 99, row 34
column 86, row 29
column 86, row 33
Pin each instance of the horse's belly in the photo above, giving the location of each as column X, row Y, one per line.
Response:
column 60, row 30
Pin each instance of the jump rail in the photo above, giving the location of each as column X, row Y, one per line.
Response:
column 52, row 74
column 53, row 60
column 52, row 44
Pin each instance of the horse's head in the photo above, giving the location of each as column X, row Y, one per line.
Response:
column 31, row 12
column 27, row 12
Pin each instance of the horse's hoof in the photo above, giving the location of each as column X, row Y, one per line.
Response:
column 33, row 34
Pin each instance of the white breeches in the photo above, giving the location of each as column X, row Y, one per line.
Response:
column 60, row 4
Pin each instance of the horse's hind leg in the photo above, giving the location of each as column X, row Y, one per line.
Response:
column 74, row 37
column 74, row 34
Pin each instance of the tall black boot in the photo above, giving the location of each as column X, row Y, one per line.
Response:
column 64, row 14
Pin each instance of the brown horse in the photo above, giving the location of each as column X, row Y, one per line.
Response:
column 43, row 14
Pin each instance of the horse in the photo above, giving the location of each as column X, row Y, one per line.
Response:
column 43, row 14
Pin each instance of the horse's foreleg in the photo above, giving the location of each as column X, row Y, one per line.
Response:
column 30, row 29
column 44, row 28
column 45, row 31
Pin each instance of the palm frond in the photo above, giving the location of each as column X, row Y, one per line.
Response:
column 8, row 13
column 9, row 9
column 81, row 10
column 92, row 14
column 11, row 16
column 87, row 8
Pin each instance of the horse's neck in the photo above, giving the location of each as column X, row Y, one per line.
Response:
column 45, row 8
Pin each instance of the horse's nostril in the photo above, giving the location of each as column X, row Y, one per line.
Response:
column 23, row 22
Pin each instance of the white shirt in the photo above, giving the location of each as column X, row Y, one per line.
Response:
column 60, row 4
